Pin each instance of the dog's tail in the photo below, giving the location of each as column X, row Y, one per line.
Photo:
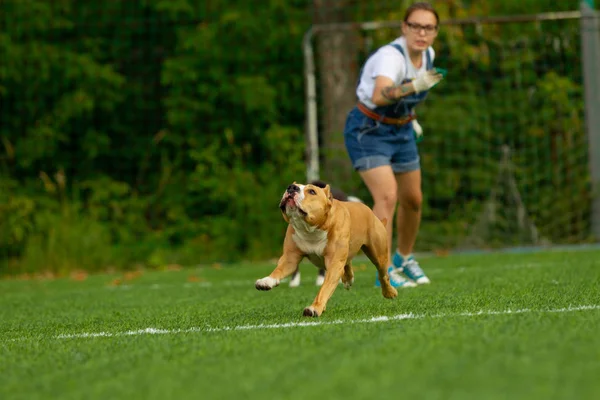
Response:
column 384, row 221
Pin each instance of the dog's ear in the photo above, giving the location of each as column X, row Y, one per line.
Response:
column 327, row 191
column 319, row 183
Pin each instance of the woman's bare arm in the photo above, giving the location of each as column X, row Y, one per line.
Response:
column 386, row 92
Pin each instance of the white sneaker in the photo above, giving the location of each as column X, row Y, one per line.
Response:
column 396, row 280
column 410, row 267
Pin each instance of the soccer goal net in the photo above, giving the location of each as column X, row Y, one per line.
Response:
column 504, row 157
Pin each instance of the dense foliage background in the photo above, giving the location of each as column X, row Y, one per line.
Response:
column 157, row 131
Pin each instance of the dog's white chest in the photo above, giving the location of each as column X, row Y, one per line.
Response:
column 311, row 242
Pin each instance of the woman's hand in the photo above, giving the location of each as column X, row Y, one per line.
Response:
column 427, row 80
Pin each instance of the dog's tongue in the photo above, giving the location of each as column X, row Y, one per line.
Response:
column 290, row 201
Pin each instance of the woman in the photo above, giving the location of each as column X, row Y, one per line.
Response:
column 380, row 133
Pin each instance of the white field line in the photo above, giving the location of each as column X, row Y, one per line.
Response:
column 380, row 319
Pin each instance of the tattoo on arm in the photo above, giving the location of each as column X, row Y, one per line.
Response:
column 390, row 93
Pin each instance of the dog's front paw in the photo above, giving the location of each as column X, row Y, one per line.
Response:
column 310, row 312
column 266, row 283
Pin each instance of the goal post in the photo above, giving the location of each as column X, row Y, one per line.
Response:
column 590, row 49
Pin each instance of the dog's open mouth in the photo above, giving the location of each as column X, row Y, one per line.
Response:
column 302, row 212
column 289, row 201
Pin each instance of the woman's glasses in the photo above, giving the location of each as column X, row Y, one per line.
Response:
column 417, row 28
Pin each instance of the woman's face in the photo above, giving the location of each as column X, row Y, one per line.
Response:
column 420, row 30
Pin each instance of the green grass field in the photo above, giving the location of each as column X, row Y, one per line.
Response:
column 496, row 326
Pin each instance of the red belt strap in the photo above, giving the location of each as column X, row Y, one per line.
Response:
column 386, row 120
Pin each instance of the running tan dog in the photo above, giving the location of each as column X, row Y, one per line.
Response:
column 329, row 233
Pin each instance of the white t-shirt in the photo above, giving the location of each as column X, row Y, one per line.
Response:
column 389, row 62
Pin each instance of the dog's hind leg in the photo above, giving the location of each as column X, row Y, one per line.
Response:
column 320, row 277
column 348, row 276
column 377, row 252
column 295, row 281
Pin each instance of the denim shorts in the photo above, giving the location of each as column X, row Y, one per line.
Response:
column 371, row 144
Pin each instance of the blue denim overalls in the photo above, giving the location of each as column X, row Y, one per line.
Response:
column 371, row 143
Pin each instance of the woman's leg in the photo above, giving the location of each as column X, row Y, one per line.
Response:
column 381, row 182
column 408, row 221
column 408, row 217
